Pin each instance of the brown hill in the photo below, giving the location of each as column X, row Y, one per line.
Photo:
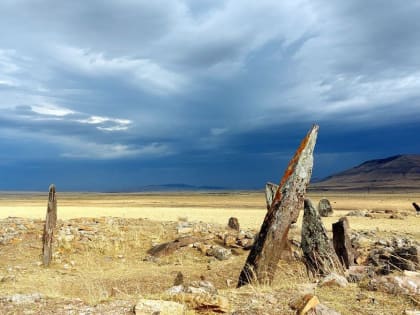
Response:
column 396, row 172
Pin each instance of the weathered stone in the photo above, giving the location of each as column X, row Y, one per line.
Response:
column 179, row 279
column 324, row 208
column 152, row 307
column 319, row 256
column 246, row 243
column 358, row 213
column 262, row 261
column 233, row 223
column 322, row 309
column 270, row 192
column 342, row 242
column 219, row 252
column 229, row 240
column 396, row 284
column 184, row 228
column 303, row 304
column 358, row 273
column 333, row 279
column 406, row 258
column 169, row 247
column 50, row 222
column 210, row 303
column 416, row 207
column 25, row 298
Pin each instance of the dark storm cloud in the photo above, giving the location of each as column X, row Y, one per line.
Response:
column 201, row 91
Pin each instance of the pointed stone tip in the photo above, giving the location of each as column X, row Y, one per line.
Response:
column 307, row 203
column 51, row 188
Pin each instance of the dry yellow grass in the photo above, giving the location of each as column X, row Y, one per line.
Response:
column 106, row 270
column 248, row 207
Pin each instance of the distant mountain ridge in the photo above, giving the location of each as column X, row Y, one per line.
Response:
column 395, row 172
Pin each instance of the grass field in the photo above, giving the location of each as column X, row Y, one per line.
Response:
column 248, row 207
column 112, row 267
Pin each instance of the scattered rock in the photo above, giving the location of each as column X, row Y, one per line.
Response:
column 321, row 309
column 406, row 258
column 179, row 279
column 334, row 279
column 358, row 213
column 396, row 216
column 169, row 247
column 358, row 273
column 8, row 278
column 25, row 298
column 184, row 227
column 403, row 284
column 304, row 303
column 229, row 240
column 219, row 252
column 153, row 307
column 233, row 223
column 324, row 208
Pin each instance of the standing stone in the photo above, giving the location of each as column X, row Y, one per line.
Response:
column 324, row 208
column 318, row 253
column 270, row 192
column 262, row 261
column 342, row 242
column 233, row 223
column 50, row 221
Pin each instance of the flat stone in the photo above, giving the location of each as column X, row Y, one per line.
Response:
column 25, row 298
column 334, row 279
column 153, row 307
column 219, row 252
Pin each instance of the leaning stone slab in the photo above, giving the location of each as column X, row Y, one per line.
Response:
column 319, row 256
column 261, row 264
column 342, row 242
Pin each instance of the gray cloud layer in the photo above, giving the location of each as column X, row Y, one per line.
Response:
column 157, row 79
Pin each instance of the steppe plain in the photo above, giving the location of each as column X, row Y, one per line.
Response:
column 110, row 271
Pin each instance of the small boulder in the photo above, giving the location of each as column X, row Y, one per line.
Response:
column 145, row 307
column 324, row 208
column 334, row 279
column 233, row 223
column 229, row 240
column 219, row 252
column 358, row 213
column 303, row 304
column 25, row 298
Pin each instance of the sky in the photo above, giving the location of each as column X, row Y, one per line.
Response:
column 114, row 95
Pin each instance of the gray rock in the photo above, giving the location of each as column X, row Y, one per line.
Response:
column 219, row 252
column 358, row 213
column 153, row 307
column 334, row 279
column 321, row 309
column 233, row 223
column 25, row 298
column 324, row 208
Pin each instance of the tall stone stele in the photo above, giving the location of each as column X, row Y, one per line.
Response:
column 262, row 261
column 50, row 222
